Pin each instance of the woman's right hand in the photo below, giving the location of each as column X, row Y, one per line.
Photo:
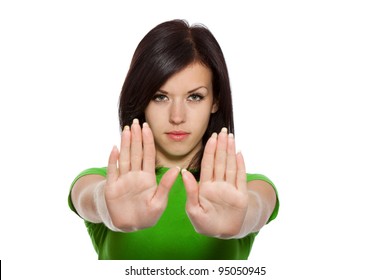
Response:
column 133, row 199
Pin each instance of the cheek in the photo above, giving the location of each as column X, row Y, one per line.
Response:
column 202, row 119
column 149, row 115
column 153, row 118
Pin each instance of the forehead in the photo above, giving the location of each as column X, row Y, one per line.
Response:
column 192, row 76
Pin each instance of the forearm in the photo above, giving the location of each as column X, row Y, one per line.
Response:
column 261, row 202
column 89, row 201
column 255, row 217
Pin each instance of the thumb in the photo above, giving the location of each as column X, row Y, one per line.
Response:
column 192, row 188
column 166, row 183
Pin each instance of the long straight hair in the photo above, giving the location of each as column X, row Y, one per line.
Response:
column 164, row 51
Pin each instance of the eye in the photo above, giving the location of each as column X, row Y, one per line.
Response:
column 159, row 97
column 195, row 97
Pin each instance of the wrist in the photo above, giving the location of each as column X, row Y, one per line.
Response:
column 252, row 216
column 101, row 206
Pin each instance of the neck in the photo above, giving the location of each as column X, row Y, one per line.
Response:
column 182, row 161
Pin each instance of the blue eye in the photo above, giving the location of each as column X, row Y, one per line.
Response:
column 160, row 98
column 195, row 97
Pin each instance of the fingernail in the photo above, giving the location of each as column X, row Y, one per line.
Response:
column 135, row 121
column 214, row 135
column 224, row 130
column 126, row 127
column 145, row 124
column 231, row 135
column 183, row 171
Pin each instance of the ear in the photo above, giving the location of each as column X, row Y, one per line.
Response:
column 214, row 108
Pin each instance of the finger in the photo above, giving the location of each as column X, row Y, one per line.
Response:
column 165, row 185
column 136, row 146
column 124, row 156
column 149, row 154
column 192, row 189
column 241, row 173
column 231, row 166
column 112, row 170
column 220, row 156
column 207, row 165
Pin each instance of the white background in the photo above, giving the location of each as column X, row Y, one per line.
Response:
column 310, row 81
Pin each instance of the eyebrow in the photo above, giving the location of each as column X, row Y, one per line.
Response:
column 190, row 91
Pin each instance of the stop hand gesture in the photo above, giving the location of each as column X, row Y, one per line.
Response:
column 217, row 205
column 134, row 201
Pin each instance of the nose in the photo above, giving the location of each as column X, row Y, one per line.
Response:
column 177, row 113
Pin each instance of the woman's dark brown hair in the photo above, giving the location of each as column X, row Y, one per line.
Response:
column 165, row 50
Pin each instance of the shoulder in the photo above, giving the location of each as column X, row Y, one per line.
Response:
column 254, row 177
column 88, row 176
column 102, row 171
column 82, row 180
column 262, row 184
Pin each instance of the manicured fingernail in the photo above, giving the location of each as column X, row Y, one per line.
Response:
column 178, row 168
column 231, row 135
column 126, row 127
column 214, row 135
column 224, row 130
column 135, row 121
column 183, row 171
column 145, row 124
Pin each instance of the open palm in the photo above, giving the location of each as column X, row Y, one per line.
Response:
column 134, row 201
column 217, row 205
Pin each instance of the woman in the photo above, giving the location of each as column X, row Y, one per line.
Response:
column 176, row 189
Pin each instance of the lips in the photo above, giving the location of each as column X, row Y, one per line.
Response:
column 177, row 135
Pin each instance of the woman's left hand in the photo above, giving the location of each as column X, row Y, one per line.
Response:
column 217, row 205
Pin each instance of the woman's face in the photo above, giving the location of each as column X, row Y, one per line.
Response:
column 179, row 113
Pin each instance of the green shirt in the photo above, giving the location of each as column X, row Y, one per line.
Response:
column 172, row 238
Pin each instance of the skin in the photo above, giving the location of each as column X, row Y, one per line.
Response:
column 184, row 103
column 222, row 204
